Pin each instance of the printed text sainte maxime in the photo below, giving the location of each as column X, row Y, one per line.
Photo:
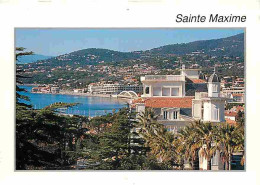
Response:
column 181, row 18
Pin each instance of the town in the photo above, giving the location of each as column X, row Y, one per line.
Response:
column 180, row 107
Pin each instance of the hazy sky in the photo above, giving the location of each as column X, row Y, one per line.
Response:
column 53, row 42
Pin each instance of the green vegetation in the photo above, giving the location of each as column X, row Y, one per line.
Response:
column 79, row 68
column 47, row 140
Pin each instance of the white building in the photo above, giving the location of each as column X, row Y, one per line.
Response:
column 210, row 106
column 110, row 88
column 163, row 85
column 167, row 95
column 168, row 85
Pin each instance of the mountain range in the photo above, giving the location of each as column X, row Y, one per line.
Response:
column 230, row 47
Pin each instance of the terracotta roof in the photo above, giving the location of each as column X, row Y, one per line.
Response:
column 230, row 114
column 185, row 102
column 231, row 122
column 236, row 94
column 139, row 100
column 198, row 81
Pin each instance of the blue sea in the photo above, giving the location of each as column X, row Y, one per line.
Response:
column 88, row 106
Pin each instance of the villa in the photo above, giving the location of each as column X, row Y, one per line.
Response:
column 181, row 99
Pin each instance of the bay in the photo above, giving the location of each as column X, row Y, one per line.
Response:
column 88, row 106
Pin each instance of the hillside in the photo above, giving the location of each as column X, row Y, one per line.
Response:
column 79, row 68
column 231, row 47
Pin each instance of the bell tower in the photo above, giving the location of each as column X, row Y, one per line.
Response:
column 214, row 104
column 210, row 107
column 214, row 85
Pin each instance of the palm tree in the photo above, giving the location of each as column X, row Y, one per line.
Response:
column 148, row 121
column 229, row 140
column 206, row 133
column 188, row 145
column 156, row 136
column 240, row 141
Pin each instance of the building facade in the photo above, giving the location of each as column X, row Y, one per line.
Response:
column 179, row 100
column 210, row 106
column 110, row 88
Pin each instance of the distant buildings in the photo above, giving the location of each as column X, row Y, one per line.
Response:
column 237, row 94
column 113, row 88
column 53, row 89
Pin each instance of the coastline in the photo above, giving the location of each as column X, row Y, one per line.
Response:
column 84, row 94
column 67, row 92
column 72, row 93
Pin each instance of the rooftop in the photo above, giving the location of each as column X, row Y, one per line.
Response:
column 231, row 122
column 191, row 69
column 197, row 81
column 163, row 78
column 237, row 94
column 185, row 102
column 231, row 114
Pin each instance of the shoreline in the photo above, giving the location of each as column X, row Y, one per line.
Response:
column 67, row 92
column 85, row 94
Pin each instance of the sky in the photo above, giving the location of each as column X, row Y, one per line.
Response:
column 54, row 42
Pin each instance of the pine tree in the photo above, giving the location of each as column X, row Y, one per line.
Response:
column 41, row 134
column 119, row 146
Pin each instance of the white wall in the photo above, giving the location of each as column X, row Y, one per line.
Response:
column 207, row 111
column 213, row 89
column 196, row 110
column 140, row 108
column 210, row 111
column 165, row 89
column 194, row 74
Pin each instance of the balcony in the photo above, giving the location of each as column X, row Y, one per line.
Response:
column 176, row 78
column 200, row 95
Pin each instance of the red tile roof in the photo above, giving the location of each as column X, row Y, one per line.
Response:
column 236, row 94
column 139, row 100
column 198, row 81
column 233, row 114
column 231, row 122
column 185, row 102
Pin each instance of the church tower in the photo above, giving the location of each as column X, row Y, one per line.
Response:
column 214, row 85
column 214, row 104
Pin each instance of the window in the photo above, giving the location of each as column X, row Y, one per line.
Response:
column 157, row 91
column 166, row 91
column 215, row 88
column 165, row 114
column 175, row 92
column 175, row 114
column 216, row 113
column 147, row 90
